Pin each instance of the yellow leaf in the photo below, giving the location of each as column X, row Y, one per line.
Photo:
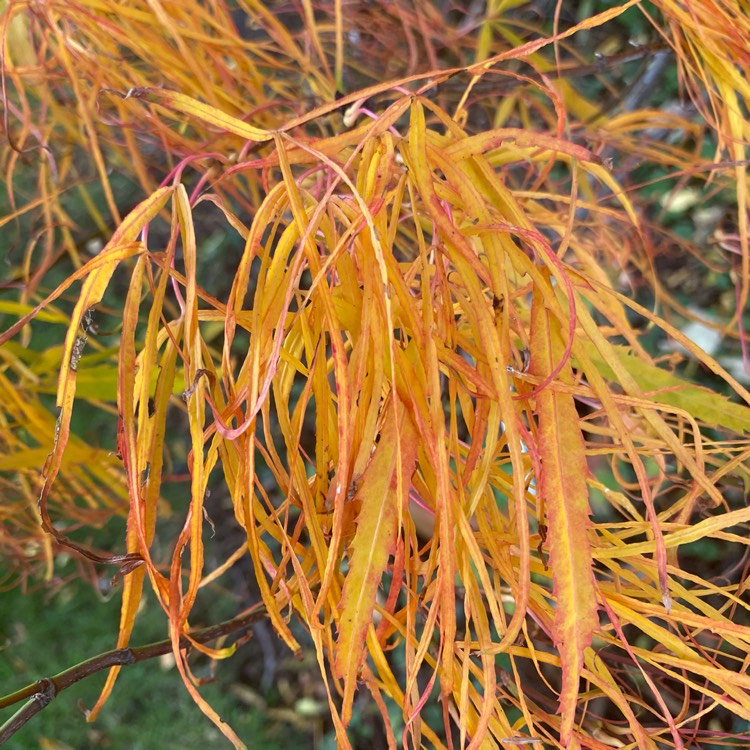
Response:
column 661, row 386
column 184, row 104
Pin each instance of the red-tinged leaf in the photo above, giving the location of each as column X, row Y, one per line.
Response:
column 133, row 587
column 93, row 288
column 384, row 486
column 196, row 403
column 140, row 447
column 562, row 485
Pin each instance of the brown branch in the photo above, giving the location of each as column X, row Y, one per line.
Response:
column 40, row 694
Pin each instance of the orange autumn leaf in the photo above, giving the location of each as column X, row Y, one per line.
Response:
column 563, row 490
column 383, row 487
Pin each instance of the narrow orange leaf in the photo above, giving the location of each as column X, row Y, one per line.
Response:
column 562, row 485
column 377, row 527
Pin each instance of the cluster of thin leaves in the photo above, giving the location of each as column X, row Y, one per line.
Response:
column 424, row 322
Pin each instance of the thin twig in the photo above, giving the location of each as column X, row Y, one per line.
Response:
column 40, row 694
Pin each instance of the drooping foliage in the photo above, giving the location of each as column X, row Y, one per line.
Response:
column 433, row 336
